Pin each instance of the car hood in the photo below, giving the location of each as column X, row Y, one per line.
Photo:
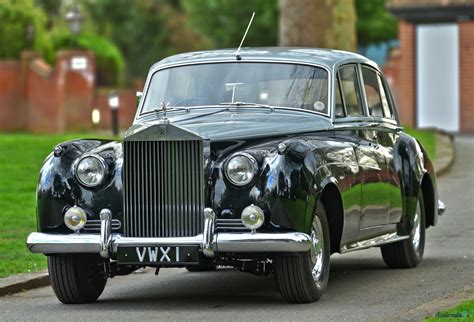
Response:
column 224, row 124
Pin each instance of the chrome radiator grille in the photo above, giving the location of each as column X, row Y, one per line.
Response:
column 163, row 188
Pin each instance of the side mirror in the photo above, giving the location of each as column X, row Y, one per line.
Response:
column 138, row 97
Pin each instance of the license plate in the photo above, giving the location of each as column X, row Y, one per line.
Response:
column 158, row 255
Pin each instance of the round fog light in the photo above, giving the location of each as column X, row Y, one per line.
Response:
column 75, row 218
column 252, row 217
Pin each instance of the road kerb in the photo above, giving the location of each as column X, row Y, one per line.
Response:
column 22, row 282
column 445, row 154
column 432, row 307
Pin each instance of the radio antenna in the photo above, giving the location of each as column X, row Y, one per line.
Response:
column 237, row 53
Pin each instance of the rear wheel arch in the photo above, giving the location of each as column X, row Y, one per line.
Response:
column 428, row 199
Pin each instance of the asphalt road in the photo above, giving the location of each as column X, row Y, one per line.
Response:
column 360, row 286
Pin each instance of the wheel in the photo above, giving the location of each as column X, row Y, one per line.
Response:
column 77, row 278
column 201, row 268
column 303, row 278
column 408, row 253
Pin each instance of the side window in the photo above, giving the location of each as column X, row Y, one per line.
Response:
column 350, row 91
column 372, row 92
column 339, row 103
column 387, row 111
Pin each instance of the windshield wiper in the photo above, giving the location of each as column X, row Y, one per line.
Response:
column 171, row 109
column 244, row 104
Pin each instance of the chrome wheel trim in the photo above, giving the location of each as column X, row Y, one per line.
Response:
column 416, row 230
column 317, row 249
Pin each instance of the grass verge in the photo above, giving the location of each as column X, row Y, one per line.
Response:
column 21, row 157
column 427, row 138
column 461, row 312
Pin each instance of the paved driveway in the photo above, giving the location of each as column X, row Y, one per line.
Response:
column 360, row 286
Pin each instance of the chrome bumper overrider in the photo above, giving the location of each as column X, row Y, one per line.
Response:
column 106, row 244
column 441, row 207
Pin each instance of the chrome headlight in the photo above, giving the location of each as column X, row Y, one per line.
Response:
column 91, row 170
column 241, row 168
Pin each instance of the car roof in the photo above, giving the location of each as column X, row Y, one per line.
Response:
column 329, row 58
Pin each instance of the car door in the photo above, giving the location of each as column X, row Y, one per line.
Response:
column 388, row 137
column 381, row 137
column 374, row 199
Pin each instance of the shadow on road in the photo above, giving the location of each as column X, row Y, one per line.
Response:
column 179, row 289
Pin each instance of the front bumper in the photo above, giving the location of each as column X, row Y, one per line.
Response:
column 106, row 244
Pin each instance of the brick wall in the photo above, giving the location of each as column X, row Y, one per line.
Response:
column 78, row 92
column 37, row 97
column 466, row 42
column 11, row 117
column 126, row 110
column 404, row 86
column 42, row 106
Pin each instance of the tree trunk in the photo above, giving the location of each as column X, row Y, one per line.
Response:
column 318, row 23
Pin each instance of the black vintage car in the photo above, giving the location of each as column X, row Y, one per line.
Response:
column 268, row 161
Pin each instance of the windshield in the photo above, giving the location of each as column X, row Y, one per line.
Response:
column 275, row 84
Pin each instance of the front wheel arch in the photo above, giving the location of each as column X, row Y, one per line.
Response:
column 332, row 201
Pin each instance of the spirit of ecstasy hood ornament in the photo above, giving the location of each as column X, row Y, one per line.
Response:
column 163, row 108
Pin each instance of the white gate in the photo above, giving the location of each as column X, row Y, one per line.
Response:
column 437, row 70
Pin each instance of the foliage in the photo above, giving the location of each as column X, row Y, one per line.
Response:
column 109, row 61
column 16, row 17
column 224, row 21
column 19, row 169
column 461, row 312
column 427, row 139
column 375, row 23
column 144, row 30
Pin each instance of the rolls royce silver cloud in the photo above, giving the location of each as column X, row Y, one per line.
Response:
column 268, row 161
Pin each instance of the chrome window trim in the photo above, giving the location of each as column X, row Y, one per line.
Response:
column 139, row 114
column 360, row 79
column 391, row 99
column 358, row 82
column 385, row 86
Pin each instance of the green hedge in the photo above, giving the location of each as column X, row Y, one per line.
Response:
column 15, row 18
column 109, row 61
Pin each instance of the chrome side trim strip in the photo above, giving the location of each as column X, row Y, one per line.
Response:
column 441, row 207
column 372, row 242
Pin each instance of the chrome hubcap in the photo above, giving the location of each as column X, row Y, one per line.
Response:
column 317, row 249
column 416, row 231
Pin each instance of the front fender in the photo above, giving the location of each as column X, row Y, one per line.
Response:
column 288, row 184
column 58, row 189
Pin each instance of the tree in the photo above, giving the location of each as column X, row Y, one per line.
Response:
column 318, row 23
column 375, row 23
column 144, row 30
column 21, row 27
column 224, row 21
